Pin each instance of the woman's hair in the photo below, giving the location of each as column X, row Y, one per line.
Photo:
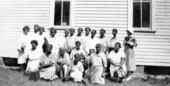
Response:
column 34, row 41
column 103, row 30
column 98, row 45
column 114, row 30
column 88, row 28
column 80, row 28
column 52, row 29
column 42, row 29
column 118, row 44
column 78, row 42
column 26, row 27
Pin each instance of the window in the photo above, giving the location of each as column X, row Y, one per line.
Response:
column 142, row 14
column 61, row 13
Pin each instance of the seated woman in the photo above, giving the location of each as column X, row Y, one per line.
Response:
column 76, row 69
column 98, row 64
column 47, row 64
column 33, row 62
column 116, row 59
column 33, row 57
column 63, row 62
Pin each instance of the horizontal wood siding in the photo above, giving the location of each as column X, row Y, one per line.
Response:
column 14, row 14
column 97, row 14
column 154, row 48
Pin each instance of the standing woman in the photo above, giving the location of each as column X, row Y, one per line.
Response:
column 98, row 64
column 23, row 47
column 129, row 43
column 41, row 38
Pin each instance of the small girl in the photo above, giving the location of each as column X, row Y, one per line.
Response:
column 76, row 71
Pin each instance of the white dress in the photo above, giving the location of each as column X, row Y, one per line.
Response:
column 98, row 62
column 55, row 42
column 70, row 41
column 91, row 44
column 116, row 58
column 77, row 71
column 23, row 41
column 103, row 42
column 34, row 60
column 85, row 45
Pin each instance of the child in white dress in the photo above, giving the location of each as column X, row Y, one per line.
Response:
column 76, row 70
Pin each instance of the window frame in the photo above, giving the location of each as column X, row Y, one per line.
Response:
column 152, row 20
column 51, row 19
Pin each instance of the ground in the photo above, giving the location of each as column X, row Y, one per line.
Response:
column 12, row 77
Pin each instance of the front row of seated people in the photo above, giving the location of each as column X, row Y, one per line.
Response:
column 86, row 59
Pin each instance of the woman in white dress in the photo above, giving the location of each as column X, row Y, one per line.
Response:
column 98, row 64
column 23, row 47
column 34, row 57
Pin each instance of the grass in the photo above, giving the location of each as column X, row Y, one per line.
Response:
column 12, row 77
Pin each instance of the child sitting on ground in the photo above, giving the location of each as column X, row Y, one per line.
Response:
column 76, row 70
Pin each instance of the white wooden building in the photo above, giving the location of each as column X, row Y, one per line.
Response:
column 149, row 18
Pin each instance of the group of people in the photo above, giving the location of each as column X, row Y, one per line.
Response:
column 76, row 56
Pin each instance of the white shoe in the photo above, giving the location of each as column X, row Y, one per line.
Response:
column 127, row 79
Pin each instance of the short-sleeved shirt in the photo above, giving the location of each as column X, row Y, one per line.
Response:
column 112, row 41
column 103, row 42
column 70, row 41
column 34, row 59
column 98, row 60
column 116, row 57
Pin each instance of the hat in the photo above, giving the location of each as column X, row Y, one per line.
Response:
column 131, row 30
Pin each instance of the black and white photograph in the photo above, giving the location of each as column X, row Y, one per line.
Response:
column 84, row 42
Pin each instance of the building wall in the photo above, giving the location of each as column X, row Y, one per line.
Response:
column 154, row 48
column 14, row 14
column 98, row 14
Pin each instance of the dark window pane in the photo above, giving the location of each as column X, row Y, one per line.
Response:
column 136, row 14
column 66, row 12
column 57, row 10
column 146, row 14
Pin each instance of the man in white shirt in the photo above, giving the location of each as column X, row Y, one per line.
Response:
column 79, row 51
column 92, row 42
column 85, row 38
column 53, row 40
column 113, row 40
column 70, row 41
column 103, row 40
column 79, row 36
